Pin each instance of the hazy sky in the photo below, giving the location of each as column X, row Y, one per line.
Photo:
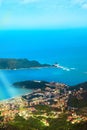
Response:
column 42, row 13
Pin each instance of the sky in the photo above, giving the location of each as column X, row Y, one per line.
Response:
column 30, row 14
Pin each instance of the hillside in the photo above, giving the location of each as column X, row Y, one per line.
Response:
column 78, row 98
column 31, row 84
column 19, row 63
column 78, row 86
column 46, row 117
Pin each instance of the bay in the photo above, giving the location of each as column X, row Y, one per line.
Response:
column 67, row 47
column 71, row 76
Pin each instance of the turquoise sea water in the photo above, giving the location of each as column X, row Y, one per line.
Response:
column 67, row 47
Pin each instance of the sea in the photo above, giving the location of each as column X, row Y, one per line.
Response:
column 66, row 47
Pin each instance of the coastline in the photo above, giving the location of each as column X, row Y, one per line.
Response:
column 29, row 68
column 58, row 67
column 15, row 97
column 26, row 69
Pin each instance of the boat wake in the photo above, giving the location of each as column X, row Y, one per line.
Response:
column 63, row 67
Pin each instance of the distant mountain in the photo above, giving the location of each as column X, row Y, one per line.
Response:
column 19, row 63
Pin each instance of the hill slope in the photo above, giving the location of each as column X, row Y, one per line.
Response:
column 19, row 63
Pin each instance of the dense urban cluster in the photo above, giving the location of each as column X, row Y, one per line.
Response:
column 50, row 102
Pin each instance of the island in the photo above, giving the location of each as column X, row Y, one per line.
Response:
column 6, row 63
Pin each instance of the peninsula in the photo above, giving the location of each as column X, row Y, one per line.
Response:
column 31, row 84
column 6, row 63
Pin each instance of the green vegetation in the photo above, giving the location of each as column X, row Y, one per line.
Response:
column 36, row 124
column 19, row 63
column 81, row 85
column 31, row 84
column 31, row 124
column 44, row 108
column 78, row 103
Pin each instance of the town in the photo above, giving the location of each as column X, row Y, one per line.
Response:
column 53, row 100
